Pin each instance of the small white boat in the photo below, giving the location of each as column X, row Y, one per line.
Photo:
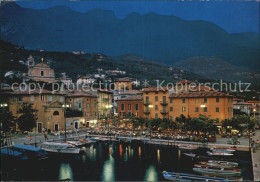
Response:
column 219, row 154
column 56, row 147
column 188, row 147
column 189, row 154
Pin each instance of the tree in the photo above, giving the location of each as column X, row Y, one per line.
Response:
column 28, row 116
column 115, row 121
column 7, row 120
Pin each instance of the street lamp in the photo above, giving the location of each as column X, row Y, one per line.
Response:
column 254, row 110
column 65, row 106
column 3, row 105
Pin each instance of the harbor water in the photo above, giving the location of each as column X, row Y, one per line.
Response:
column 114, row 161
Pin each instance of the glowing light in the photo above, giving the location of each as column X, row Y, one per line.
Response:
column 179, row 154
column 158, row 155
column 151, row 174
column 120, row 151
column 65, row 172
column 139, row 151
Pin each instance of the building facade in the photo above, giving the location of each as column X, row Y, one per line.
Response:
column 156, row 102
column 87, row 104
column 215, row 105
column 105, row 106
column 40, row 72
column 50, row 108
column 123, row 84
column 132, row 105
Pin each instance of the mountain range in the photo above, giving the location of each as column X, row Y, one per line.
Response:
column 165, row 39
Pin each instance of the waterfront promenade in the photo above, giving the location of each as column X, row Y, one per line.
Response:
column 256, row 157
column 220, row 142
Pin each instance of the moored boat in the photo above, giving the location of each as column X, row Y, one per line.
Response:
column 188, row 147
column 219, row 154
column 7, row 153
column 223, row 163
column 223, row 150
column 55, row 147
column 190, row 154
column 220, row 164
column 172, row 176
column 31, row 151
column 217, row 172
column 215, row 167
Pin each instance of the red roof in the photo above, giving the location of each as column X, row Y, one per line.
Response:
column 237, row 99
column 202, row 88
column 84, row 77
column 80, row 94
column 131, row 98
column 125, row 79
column 104, row 90
column 155, row 89
column 130, row 92
column 33, row 92
column 184, row 82
column 199, row 94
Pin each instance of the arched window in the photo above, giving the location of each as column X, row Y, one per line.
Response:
column 56, row 113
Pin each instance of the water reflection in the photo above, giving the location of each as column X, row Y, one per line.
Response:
column 151, row 174
column 158, row 155
column 120, row 151
column 179, row 154
column 65, row 172
column 139, row 151
column 108, row 173
column 91, row 152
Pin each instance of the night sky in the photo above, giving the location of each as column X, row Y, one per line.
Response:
column 233, row 16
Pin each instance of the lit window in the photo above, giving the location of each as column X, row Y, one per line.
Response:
column 129, row 106
column 32, row 98
column 183, row 109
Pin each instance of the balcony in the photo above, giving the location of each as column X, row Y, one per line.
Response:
column 146, row 103
column 164, row 112
column 146, row 112
column 164, row 103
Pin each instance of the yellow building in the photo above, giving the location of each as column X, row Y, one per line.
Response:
column 40, row 72
column 50, row 107
column 155, row 102
column 104, row 102
column 215, row 105
column 85, row 102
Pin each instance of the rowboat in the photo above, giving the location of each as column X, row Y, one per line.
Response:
column 226, row 163
column 190, row 154
column 215, row 167
column 219, row 154
column 31, row 151
column 56, row 147
column 172, row 176
column 223, row 150
column 188, row 147
column 221, row 165
column 218, row 172
column 7, row 153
